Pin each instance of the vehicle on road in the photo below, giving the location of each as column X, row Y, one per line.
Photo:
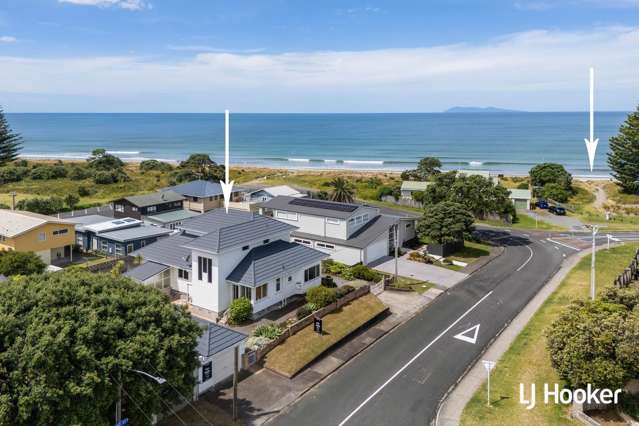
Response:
column 559, row 211
column 542, row 204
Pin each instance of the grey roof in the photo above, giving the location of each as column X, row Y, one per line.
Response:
column 89, row 219
column 168, row 251
column 146, row 200
column 361, row 238
column 137, row 233
column 402, row 214
column 172, row 216
column 230, row 230
column 216, row 338
column 146, row 271
column 283, row 202
column 271, row 260
column 106, row 210
column 201, row 188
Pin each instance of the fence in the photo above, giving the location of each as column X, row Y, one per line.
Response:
column 299, row 325
column 630, row 274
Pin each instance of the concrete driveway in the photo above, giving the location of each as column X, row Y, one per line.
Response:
column 441, row 277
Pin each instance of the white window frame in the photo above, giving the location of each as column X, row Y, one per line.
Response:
column 261, row 292
column 332, row 221
column 119, row 208
column 42, row 236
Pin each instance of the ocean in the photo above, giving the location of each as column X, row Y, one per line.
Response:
column 509, row 143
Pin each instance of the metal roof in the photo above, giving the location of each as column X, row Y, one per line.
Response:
column 313, row 207
column 402, row 214
column 146, row 200
column 361, row 238
column 106, row 210
column 172, row 216
column 17, row 222
column 271, row 260
column 145, row 271
column 230, row 230
column 520, row 193
column 111, row 225
column 216, row 338
column 201, row 188
column 168, row 251
column 412, row 185
column 283, row 190
column 137, row 233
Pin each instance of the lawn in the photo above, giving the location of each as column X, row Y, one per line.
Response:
column 524, row 222
column 527, row 361
column 471, row 252
column 302, row 348
column 613, row 193
column 417, row 286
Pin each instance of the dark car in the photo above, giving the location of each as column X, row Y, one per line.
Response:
column 560, row 211
column 552, row 209
column 542, row 204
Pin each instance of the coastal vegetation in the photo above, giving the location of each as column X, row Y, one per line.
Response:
column 10, row 142
column 623, row 157
column 445, row 222
column 426, row 168
column 342, row 190
column 20, row 263
column 551, row 181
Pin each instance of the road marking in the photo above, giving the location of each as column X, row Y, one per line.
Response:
column 398, row 372
column 464, row 338
column 527, row 260
column 563, row 244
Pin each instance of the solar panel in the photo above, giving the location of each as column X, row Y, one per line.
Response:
column 118, row 222
column 320, row 204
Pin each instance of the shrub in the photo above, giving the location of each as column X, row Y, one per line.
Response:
column 326, row 265
column 344, row 290
column 337, row 268
column 270, row 331
column 523, row 185
column 48, row 172
column 304, row 311
column 150, row 165
column 20, row 263
column 419, row 257
column 79, row 173
column 383, row 191
column 83, row 191
column 347, row 274
column 320, row 296
column 257, row 342
column 328, row 282
column 107, row 177
column 46, row 206
column 365, row 273
column 240, row 310
column 12, row 174
column 553, row 191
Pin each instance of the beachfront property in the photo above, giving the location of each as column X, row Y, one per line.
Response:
column 483, row 173
column 114, row 237
column 521, row 198
column 138, row 206
column 265, row 194
column 217, row 257
column 411, row 186
column 170, row 220
column 349, row 233
column 202, row 196
column 50, row 238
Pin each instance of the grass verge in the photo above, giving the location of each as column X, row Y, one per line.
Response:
column 524, row 222
column 471, row 252
column 527, row 361
column 413, row 284
column 301, row 349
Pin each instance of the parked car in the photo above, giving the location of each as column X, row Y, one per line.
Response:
column 559, row 211
column 551, row 209
column 542, row 204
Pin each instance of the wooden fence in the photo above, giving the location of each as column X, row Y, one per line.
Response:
column 630, row 274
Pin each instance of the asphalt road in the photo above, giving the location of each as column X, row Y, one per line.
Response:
column 401, row 379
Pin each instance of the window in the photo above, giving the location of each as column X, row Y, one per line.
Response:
column 135, row 209
column 365, row 217
column 245, row 248
column 290, row 279
column 286, row 215
column 119, row 208
column 241, row 291
column 151, row 209
column 305, row 242
column 261, row 292
column 210, row 198
column 409, row 225
column 266, row 241
column 351, row 220
column 278, row 284
column 118, row 250
column 207, row 371
column 325, row 245
column 60, row 231
column 183, row 274
column 358, row 220
column 143, row 243
column 2, row 237
column 332, row 221
column 104, row 245
column 311, row 273
column 42, row 236
column 195, row 199
column 129, row 248
column 204, row 266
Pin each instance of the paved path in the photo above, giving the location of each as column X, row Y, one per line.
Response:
column 402, row 378
column 568, row 221
column 439, row 276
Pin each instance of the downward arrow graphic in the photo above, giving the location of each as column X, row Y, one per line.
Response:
column 227, row 186
column 591, row 144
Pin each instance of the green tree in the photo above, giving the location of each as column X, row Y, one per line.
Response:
column 102, row 160
column 480, row 196
column 46, row 206
column 623, row 156
column 342, row 190
column 20, row 263
column 199, row 166
column 445, row 222
column 10, row 142
column 545, row 173
column 426, row 168
column 71, row 200
column 555, row 192
column 440, row 189
column 68, row 340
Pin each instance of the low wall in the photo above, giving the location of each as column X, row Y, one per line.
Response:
column 630, row 274
column 445, row 250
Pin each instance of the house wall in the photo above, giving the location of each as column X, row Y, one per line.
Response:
column 223, row 364
column 377, row 249
column 204, row 204
column 31, row 240
column 123, row 208
column 344, row 254
column 123, row 249
column 353, row 225
column 407, row 230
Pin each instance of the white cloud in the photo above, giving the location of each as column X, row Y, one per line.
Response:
column 205, row 48
column 536, row 70
column 124, row 4
column 8, row 39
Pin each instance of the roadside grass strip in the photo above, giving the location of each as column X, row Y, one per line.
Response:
column 471, row 252
column 527, row 360
column 301, row 349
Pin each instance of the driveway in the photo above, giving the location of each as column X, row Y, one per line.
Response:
column 568, row 221
column 441, row 277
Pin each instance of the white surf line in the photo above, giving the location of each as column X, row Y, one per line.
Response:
column 563, row 244
column 527, row 260
column 379, row 389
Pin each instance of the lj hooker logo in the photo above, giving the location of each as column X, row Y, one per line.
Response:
column 555, row 395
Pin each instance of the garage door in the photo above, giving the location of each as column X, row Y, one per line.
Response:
column 378, row 249
column 521, row 204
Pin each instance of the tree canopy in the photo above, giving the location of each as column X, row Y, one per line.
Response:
column 342, row 190
column 623, row 157
column 426, row 168
column 199, row 166
column 546, row 173
column 10, row 142
column 100, row 159
column 20, row 263
column 445, row 222
column 69, row 338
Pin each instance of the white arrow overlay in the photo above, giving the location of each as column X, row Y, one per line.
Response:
column 464, row 337
column 591, row 144
column 227, row 187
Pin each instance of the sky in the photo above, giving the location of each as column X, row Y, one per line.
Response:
column 316, row 56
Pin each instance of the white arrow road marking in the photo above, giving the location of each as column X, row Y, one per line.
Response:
column 562, row 244
column 463, row 335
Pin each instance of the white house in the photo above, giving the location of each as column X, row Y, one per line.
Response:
column 521, row 198
column 410, row 186
column 265, row 194
column 218, row 257
column 349, row 233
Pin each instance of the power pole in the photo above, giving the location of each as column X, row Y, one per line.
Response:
column 595, row 229
column 396, row 252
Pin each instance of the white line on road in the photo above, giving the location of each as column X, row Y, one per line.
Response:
column 527, row 260
column 379, row 389
column 563, row 244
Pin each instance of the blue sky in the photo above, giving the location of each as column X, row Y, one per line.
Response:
column 301, row 56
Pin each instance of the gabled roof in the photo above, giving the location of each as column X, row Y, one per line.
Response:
column 154, row 199
column 362, row 237
column 283, row 190
column 168, row 251
column 520, row 193
column 17, row 222
column 412, row 185
column 146, row 271
column 216, row 338
column 313, row 207
column 201, row 188
column 230, row 230
column 271, row 261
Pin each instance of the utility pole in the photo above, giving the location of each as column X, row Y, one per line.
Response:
column 396, row 252
column 118, row 404
column 595, row 229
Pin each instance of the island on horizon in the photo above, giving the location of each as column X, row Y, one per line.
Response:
column 465, row 109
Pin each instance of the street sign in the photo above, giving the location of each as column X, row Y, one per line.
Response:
column 317, row 325
column 122, row 422
column 465, row 337
column 488, row 365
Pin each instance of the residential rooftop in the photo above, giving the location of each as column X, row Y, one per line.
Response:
column 168, row 251
column 146, row 271
column 521, row 193
column 111, row 225
column 311, row 206
column 216, row 338
column 17, row 222
column 156, row 198
column 136, row 233
column 172, row 216
column 360, row 238
column 200, row 189
column 413, row 185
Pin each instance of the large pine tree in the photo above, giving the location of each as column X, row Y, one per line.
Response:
column 623, row 157
column 10, row 142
